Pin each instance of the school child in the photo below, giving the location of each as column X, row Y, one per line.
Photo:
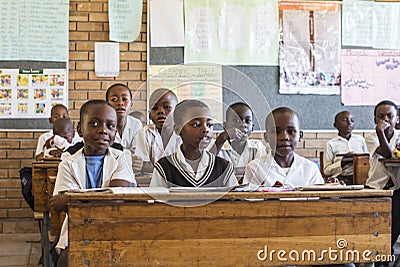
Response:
column 120, row 97
column 57, row 111
column 64, row 137
column 94, row 165
column 397, row 127
column 282, row 167
column 192, row 165
column 340, row 149
column 236, row 147
column 139, row 115
column 158, row 139
column 380, row 145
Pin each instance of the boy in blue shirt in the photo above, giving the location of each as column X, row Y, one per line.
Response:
column 94, row 165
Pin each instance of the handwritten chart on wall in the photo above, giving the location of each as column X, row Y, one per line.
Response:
column 369, row 76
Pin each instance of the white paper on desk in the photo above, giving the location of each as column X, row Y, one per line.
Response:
column 200, row 189
column 166, row 23
column 106, row 59
column 329, row 186
column 139, row 190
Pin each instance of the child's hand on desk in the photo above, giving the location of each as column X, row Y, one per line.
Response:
column 59, row 202
column 334, row 180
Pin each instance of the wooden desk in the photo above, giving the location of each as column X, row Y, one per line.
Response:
column 126, row 230
column 395, row 162
column 42, row 189
column 361, row 168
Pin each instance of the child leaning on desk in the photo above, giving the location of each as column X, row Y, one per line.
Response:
column 234, row 143
column 95, row 165
column 380, row 145
column 282, row 167
column 342, row 147
column 192, row 165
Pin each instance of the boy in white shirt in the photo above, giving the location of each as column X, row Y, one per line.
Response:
column 282, row 167
column 346, row 144
column 95, row 164
column 158, row 139
column 236, row 147
column 380, row 145
column 192, row 165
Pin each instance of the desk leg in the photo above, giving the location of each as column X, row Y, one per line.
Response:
column 45, row 227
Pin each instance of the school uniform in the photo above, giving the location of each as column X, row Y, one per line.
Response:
column 72, row 175
column 149, row 145
column 61, row 142
column 340, row 145
column 381, row 177
column 252, row 150
column 265, row 171
column 131, row 129
column 45, row 136
column 174, row 170
column 378, row 175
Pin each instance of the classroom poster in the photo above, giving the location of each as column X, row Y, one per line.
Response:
column 310, row 48
column 31, row 93
column 369, row 76
column 232, row 32
column 203, row 82
column 125, row 19
column 166, row 23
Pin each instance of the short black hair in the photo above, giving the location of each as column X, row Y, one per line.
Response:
column 182, row 107
column 85, row 107
column 115, row 85
column 59, row 106
column 340, row 113
column 233, row 106
column 159, row 93
column 279, row 110
column 384, row 102
column 60, row 124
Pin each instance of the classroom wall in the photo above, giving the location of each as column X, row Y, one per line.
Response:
column 88, row 24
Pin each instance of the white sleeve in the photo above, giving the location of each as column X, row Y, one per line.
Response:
column 40, row 144
column 251, row 174
column 331, row 167
column 124, row 169
column 142, row 146
column 317, row 177
column 372, row 143
column 65, row 178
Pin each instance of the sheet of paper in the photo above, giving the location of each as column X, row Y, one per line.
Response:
column 357, row 22
column 310, row 47
column 369, row 76
column 386, row 29
column 106, row 59
column 166, row 23
column 203, row 82
column 232, row 32
column 9, row 30
column 125, row 19
column 139, row 190
column 43, row 30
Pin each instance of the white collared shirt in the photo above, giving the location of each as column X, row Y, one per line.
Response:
column 149, row 145
column 252, row 150
column 265, row 171
column 45, row 136
column 340, row 145
column 378, row 174
column 131, row 129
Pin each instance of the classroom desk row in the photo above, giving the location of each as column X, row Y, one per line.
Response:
column 240, row 228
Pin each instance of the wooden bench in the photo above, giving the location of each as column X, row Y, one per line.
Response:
column 106, row 229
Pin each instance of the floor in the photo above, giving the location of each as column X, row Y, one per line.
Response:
column 20, row 250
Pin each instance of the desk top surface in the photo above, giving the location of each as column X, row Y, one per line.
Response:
column 300, row 195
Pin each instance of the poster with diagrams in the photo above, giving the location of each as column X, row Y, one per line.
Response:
column 369, row 76
column 31, row 93
column 232, row 32
column 309, row 58
column 202, row 82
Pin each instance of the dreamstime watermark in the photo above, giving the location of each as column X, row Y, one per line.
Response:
column 338, row 254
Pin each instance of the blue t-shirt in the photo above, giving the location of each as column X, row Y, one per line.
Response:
column 94, row 171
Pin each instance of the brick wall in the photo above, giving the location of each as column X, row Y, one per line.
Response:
column 88, row 24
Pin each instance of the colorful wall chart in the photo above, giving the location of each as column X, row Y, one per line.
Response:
column 369, row 76
column 31, row 93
